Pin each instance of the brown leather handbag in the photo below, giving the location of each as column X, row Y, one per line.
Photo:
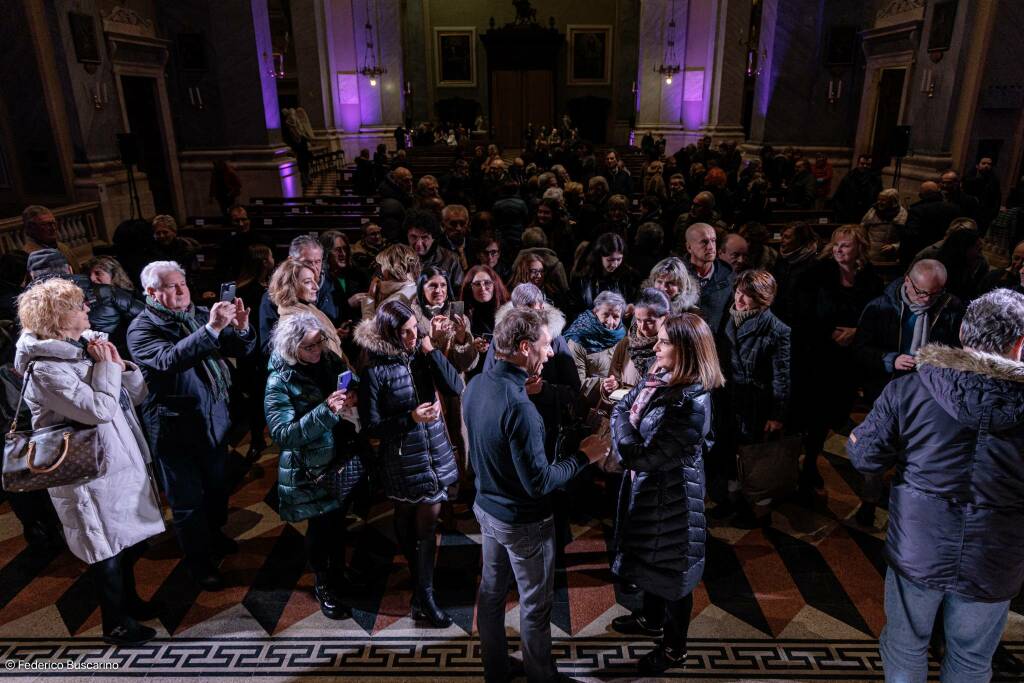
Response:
column 59, row 455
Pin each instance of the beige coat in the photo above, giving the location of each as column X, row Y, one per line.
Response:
column 119, row 509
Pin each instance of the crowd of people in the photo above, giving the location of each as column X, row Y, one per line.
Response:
column 511, row 325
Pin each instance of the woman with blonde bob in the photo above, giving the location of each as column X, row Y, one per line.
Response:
column 293, row 289
column 78, row 376
column 661, row 430
column 399, row 269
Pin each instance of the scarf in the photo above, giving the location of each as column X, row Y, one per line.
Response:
column 799, row 255
column 217, row 371
column 641, row 350
column 330, row 332
column 740, row 317
column 588, row 332
column 923, row 323
column 651, row 384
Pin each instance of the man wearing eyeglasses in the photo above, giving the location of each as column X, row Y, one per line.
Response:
column 913, row 311
column 41, row 233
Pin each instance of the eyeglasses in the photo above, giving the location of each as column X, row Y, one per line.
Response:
column 492, row 252
column 314, row 346
column 924, row 293
column 482, row 284
column 536, row 271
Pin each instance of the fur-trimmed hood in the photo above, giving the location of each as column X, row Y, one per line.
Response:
column 366, row 336
column 968, row 383
column 556, row 319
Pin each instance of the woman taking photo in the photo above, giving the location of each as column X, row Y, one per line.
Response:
column 756, row 365
column 77, row 376
column 660, row 431
column 399, row 405
column 483, row 293
column 303, row 408
column 592, row 338
column 633, row 356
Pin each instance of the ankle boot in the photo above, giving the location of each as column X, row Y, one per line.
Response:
column 424, row 607
column 119, row 628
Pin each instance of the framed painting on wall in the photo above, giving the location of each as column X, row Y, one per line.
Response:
column 590, row 54
column 455, row 56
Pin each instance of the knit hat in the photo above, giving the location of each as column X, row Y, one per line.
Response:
column 46, row 259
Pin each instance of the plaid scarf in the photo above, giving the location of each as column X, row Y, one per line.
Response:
column 218, row 373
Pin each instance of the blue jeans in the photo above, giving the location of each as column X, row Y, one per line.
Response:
column 972, row 630
column 524, row 553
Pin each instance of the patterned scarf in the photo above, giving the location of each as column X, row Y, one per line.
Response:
column 651, row 384
column 218, row 373
column 588, row 332
column 641, row 350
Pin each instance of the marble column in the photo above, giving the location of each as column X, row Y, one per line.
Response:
column 229, row 110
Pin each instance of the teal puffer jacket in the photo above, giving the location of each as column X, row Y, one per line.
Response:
column 305, row 428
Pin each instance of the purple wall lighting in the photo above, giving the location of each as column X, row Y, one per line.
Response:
column 291, row 185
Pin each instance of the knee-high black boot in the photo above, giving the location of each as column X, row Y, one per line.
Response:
column 135, row 606
column 424, row 606
column 119, row 628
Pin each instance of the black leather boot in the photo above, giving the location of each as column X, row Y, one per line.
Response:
column 135, row 607
column 424, row 607
column 330, row 605
column 119, row 628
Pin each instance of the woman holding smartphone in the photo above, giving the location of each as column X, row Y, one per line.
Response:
column 662, row 430
column 483, row 293
column 400, row 404
column 303, row 405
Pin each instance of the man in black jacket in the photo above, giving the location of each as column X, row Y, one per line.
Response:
column 181, row 349
column 857, row 192
column 513, row 481
column 954, row 430
column 713, row 275
column 927, row 221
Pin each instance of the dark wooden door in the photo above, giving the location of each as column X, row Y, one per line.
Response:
column 518, row 98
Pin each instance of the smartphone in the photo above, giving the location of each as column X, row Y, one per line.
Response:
column 458, row 308
column 227, row 291
column 344, row 379
column 487, row 336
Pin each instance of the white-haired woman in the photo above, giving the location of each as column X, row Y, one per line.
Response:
column 75, row 375
column 303, row 406
column 592, row 338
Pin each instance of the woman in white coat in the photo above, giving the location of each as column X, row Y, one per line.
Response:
column 79, row 376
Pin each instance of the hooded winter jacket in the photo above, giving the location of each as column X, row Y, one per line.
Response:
column 954, row 431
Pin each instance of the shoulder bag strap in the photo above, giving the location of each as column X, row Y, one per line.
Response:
column 21, row 397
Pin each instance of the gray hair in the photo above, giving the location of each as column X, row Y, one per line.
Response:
column 554, row 193
column 303, row 242
column 288, row 333
column 527, row 295
column 153, row 273
column 447, row 211
column 165, row 221
column 655, row 301
column 545, row 178
column 597, row 181
column 33, row 211
column 518, row 325
column 994, row 322
column 929, row 267
column 609, row 298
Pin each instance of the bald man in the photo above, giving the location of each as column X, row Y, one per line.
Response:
column 927, row 220
column 736, row 252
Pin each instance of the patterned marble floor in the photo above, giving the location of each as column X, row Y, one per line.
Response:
column 799, row 601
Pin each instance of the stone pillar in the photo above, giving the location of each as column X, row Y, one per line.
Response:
column 659, row 104
column 228, row 108
column 732, row 23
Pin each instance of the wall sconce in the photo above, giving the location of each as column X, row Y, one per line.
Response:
column 407, row 91
column 195, row 97
column 98, row 93
column 929, row 83
column 634, row 88
column 835, row 90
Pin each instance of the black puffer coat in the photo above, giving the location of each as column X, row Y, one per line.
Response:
column 756, row 364
column 416, row 460
column 954, row 431
column 661, row 530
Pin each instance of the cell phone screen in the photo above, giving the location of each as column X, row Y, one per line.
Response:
column 458, row 308
column 344, row 379
column 227, row 291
